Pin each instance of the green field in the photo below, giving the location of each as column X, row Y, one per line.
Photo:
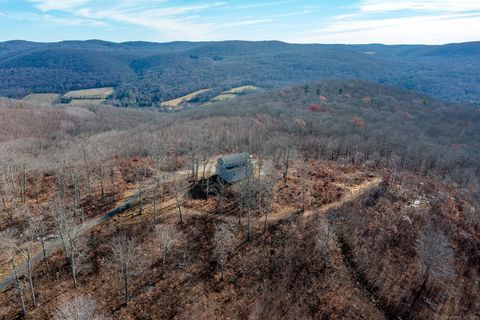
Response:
column 46, row 98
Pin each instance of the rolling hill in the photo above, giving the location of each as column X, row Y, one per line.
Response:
column 146, row 74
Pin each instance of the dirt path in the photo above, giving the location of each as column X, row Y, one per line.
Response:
column 126, row 204
column 351, row 194
column 131, row 200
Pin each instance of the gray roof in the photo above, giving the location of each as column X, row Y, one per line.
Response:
column 235, row 157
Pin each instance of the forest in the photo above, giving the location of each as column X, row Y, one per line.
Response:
column 363, row 204
column 146, row 74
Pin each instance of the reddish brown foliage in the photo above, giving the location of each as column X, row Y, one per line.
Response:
column 367, row 100
column 317, row 108
column 357, row 122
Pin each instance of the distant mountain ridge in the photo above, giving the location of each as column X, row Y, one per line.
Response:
column 147, row 73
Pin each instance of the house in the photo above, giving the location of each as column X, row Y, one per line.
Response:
column 234, row 167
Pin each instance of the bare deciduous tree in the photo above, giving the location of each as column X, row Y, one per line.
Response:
column 240, row 193
column 86, row 167
column 288, row 153
column 166, row 234
column 246, row 191
column 179, row 187
column 67, row 224
column 102, row 172
column 126, row 259
column 8, row 247
column 304, row 188
column 38, row 228
column 7, row 193
column 26, row 249
column 436, row 255
column 205, row 154
column 265, row 194
column 22, row 182
column 221, row 192
column 78, row 308
column 223, row 243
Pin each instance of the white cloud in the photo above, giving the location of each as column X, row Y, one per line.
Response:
column 171, row 22
column 401, row 22
column 46, row 18
column 389, row 21
column 418, row 30
column 50, row 5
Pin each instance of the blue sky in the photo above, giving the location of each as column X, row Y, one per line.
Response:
column 300, row 21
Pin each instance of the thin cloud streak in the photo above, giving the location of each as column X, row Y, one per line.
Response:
column 453, row 6
column 401, row 22
column 408, row 30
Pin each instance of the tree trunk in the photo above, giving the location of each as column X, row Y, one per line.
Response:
column 155, row 205
column 23, row 184
column 73, row 268
column 207, row 190
column 125, row 280
column 102, row 189
column 248, row 221
column 30, row 280
column 266, row 221
column 87, row 171
column 19, row 287
column 286, row 165
column 179, row 209
column 326, row 249
column 240, row 212
column 164, row 257
column 44, row 252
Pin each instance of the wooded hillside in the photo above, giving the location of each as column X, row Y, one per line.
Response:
column 146, row 74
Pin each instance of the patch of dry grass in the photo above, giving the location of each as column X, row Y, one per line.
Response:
column 86, row 102
column 189, row 97
column 95, row 93
column 46, row 98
